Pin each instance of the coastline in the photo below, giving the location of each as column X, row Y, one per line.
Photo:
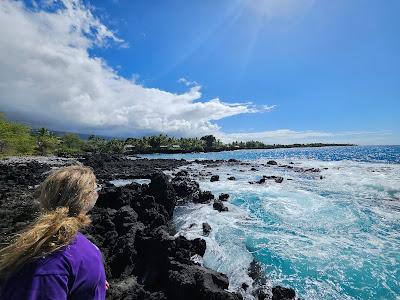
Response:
column 268, row 147
column 132, row 225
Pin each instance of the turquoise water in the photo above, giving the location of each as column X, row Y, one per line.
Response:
column 331, row 238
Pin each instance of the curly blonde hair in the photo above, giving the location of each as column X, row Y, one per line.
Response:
column 65, row 198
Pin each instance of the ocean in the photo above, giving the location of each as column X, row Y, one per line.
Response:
column 333, row 234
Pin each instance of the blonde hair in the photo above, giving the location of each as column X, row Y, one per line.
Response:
column 65, row 197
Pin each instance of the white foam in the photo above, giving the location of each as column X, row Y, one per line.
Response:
column 122, row 182
column 325, row 237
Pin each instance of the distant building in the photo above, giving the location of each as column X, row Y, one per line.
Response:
column 176, row 146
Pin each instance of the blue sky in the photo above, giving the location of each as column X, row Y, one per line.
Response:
column 329, row 67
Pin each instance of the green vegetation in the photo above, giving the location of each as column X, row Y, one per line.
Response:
column 15, row 138
column 20, row 139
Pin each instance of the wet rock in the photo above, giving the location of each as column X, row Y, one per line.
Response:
column 163, row 191
column 312, row 170
column 256, row 273
column 223, row 197
column 184, row 186
column 282, row 293
column 218, row 205
column 231, row 160
column 277, row 179
column 245, row 286
column 196, row 282
column 202, row 197
column 253, row 169
column 182, row 173
column 261, row 294
column 272, row 163
column 214, row 178
column 206, row 229
column 231, row 178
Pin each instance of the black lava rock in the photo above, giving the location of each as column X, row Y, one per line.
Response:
column 202, row 197
column 223, row 197
column 218, row 205
column 282, row 293
column 214, row 178
column 206, row 228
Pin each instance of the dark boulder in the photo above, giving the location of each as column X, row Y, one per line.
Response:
column 206, row 229
column 214, row 178
column 277, row 179
column 218, row 205
column 256, row 272
column 202, row 196
column 312, row 170
column 223, row 197
column 282, row 293
column 272, row 163
column 231, row 178
column 182, row 173
column 197, row 283
column 184, row 186
column 163, row 191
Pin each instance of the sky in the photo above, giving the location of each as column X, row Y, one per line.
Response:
column 278, row 71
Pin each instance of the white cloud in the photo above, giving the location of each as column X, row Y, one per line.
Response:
column 187, row 82
column 48, row 77
column 287, row 136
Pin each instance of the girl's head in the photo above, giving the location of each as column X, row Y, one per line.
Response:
column 66, row 195
column 72, row 187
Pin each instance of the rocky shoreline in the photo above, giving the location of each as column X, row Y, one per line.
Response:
column 132, row 225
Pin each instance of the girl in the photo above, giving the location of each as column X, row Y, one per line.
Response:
column 51, row 259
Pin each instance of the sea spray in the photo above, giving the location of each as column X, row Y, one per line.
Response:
column 329, row 234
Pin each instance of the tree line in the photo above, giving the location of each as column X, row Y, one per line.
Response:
column 21, row 139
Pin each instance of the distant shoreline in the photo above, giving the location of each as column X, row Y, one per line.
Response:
column 269, row 147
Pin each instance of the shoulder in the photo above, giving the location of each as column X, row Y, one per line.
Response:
column 81, row 250
column 83, row 247
column 69, row 259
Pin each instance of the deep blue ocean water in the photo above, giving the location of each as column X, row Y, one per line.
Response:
column 385, row 154
column 332, row 238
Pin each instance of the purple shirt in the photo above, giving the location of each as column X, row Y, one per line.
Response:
column 76, row 272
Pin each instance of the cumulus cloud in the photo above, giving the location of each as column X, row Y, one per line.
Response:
column 48, row 77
